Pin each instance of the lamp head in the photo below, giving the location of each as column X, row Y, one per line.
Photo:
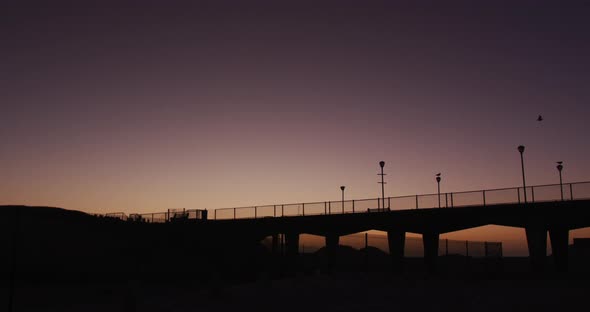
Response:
column 438, row 179
column 342, row 187
column 521, row 148
column 382, row 164
column 559, row 167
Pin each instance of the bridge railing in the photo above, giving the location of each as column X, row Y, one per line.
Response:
column 515, row 195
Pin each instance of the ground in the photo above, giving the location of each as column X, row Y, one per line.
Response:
column 334, row 292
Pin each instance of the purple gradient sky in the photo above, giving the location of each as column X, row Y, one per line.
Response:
column 144, row 106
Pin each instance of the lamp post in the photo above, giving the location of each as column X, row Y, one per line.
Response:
column 342, row 188
column 521, row 150
column 559, row 168
column 438, row 185
column 382, row 164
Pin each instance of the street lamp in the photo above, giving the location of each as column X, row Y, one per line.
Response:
column 382, row 164
column 342, row 188
column 559, row 168
column 521, row 150
column 438, row 184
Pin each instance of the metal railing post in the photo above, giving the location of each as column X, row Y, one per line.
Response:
column 353, row 206
column 255, row 212
column 452, row 203
column 215, row 214
column 416, row 201
column 518, row 193
column 571, row 191
column 303, row 208
column 388, row 203
column 533, row 193
column 282, row 210
column 234, row 213
column 446, row 200
column 484, row 197
column 329, row 207
column 274, row 211
column 325, row 208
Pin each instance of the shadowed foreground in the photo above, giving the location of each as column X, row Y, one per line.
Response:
column 338, row 292
column 70, row 261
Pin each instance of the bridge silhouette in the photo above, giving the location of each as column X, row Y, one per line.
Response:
column 555, row 209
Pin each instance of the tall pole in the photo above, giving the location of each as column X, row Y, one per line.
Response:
column 382, row 164
column 559, row 168
column 438, row 184
column 342, row 188
column 521, row 150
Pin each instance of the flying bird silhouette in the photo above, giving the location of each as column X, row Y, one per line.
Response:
column 540, row 118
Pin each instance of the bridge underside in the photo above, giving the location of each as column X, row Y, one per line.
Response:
column 538, row 219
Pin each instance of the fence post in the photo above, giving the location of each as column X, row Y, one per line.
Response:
column 518, row 192
column 274, row 211
column 303, row 208
column 255, row 212
column 325, row 208
column 215, row 214
column 571, row 192
column 416, row 201
column 484, row 197
column 353, row 206
column 452, row 203
column 282, row 210
column 388, row 203
column 446, row 200
column 329, row 207
column 234, row 213
column 533, row 193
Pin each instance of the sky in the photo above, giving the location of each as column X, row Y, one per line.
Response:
column 142, row 106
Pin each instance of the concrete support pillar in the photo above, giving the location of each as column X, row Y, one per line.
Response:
column 332, row 241
column 397, row 243
column 292, row 244
column 536, row 237
column 430, row 241
column 275, row 244
column 559, row 246
column 292, row 252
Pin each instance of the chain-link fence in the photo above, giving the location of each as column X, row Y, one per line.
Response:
column 172, row 215
column 413, row 245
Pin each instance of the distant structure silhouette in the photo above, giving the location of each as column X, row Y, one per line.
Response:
column 540, row 118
